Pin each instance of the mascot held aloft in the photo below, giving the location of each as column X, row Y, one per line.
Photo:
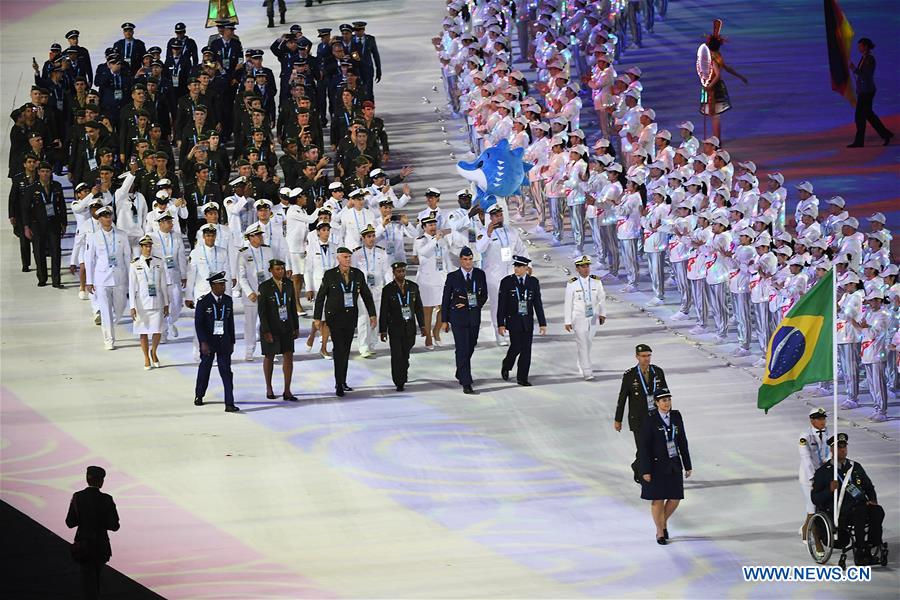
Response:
column 497, row 173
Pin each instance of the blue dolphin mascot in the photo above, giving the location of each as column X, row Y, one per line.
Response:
column 499, row 171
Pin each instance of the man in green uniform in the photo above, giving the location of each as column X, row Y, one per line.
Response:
column 401, row 309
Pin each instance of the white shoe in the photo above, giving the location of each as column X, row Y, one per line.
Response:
column 83, row 295
column 109, row 345
column 438, row 343
column 196, row 357
column 429, row 347
column 741, row 352
column 628, row 289
column 148, row 367
column 878, row 417
column 173, row 330
column 589, row 377
column 654, row 302
column 502, row 341
column 155, row 365
column 698, row 330
column 248, row 357
column 367, row 354
column 680, row 316
column 720, row 339
column 761, row 362
column 309, row 347
column 849, row 404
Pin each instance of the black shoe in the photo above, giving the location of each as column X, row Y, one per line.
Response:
column 504, row 373
column 467, row 389
column 198, row 401
column 282, row 19
column 308, row 3
column 339, row 390
column 290, row 398
column 347, row 388
column 854, row 145
column 270, row 396
column 231, row 408
column 524, row 383
column 400, row 388
column 666, row 533
column 42, row 284
column 59, row 286
column 26, row 269
column 661, row 541
column 271, row 23
column 888, row 139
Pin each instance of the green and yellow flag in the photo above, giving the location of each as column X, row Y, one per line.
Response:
column 221, row 10
column 800, row 350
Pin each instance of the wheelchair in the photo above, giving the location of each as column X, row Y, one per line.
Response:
column 823, row 538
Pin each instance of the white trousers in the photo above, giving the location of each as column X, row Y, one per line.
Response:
column 698, row 293
column 493, row 289
column 684, row 286
column 111, row 301
column 584, row 332
column 655, row 262
column 251, row 314
column 741, row 303
column 630, row 260
column 875, row 375
column 176, row 302
column 367, row 335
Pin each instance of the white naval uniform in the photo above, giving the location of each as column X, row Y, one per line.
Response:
column 253, row 269
column 107, row 255
column 319, row 258
column 434, row 264
column 392, row 237
column 148, row 295
column 151, row 222
column 814, row 452
column 131, row 213
column 376, row 266
column 203, row 262
column 273, row 237
column 297, row 222
column 585, row 302
column 463, row 232
column 353, row 221
column 169, row 248
column 496, row 262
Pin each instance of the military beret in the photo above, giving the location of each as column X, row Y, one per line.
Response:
column 642, row 348
column 275, row 262
column 344, row 250
column 398, row 265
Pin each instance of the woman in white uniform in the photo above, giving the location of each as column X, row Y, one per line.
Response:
column 433, row 250
column 148, row 300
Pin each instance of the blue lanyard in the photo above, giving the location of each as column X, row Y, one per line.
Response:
column 106, row 242
column 281, row 300
column 162, row 242
column 653, row 382
column 505, row 234
column 216, row 317
column 324, row 253
column 253, row 255
column 147, row 279
column 215, row 258
column 44, row 196
column 366, row 256
column 518, row 297
column 400, row 300
column 344, row 289
column 670, row 428
column 356, row 218
column 389, row 232
column 581, row 283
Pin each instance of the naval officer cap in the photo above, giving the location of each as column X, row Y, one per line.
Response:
column 662, row 393
column 217, row 278
column 464, row 193
column 166, row 216
column 465, row 251
column 323, row 31
column 72, row 33
column 817, row 413
column 521, row 261
column 145, row 241
column 262, row 203
column 642, row 348
column 428, row 219
column 209, row 229
column 81, row 186
column 252, row 230
column 335, row 185
column 106, row 210
column 368, row 229
column 385, row 202
column 210, row 207
column 96, row 472
column 323, row 224
column 842, row 438
column 376, row 173
column 584, row 260
column 432, row 192
column 126, row 26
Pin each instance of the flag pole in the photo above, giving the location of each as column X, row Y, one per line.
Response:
column 834, row 388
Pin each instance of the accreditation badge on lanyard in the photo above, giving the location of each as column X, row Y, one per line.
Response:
column 523, row 303
column 670, row 441
column 282, row 306
column 505, row 250
column 405, row 309
column 472, row 296
column 588, row 300
column 218, row 322
column 348, row 296
column 151, row 285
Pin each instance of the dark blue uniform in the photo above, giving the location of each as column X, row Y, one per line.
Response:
column 131, row 52
column 369, row 59
column 855, row 508
column 206, row 313
column 666, row 478
column 519, row 300
column 465, row 320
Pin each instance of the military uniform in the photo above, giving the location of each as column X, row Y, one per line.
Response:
column 44, row 213
column 401, row 310
column 465, row 293
column 169, row 248
column 496, row 252
column 106, row 260
column 18, row 201
column 376, row 267
column 214, row 326
column 814, row 452
column 253, row 270
column 585, row 303
column 277, row 316
column 519, row 301
column 638, row 391
column 337, row 304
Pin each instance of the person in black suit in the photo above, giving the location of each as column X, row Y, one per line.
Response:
column 365, row 46
column 639, row 383
column 465, row 292
column 93, row 513
column 188, row 45
column 44, row 220
column 214, row 324
column 401, row 310
column 663, row 452
column 337, row 302
column 278, row 326
column 18, row 201
column 129, row 48
column 519, row 302
column 860, row 501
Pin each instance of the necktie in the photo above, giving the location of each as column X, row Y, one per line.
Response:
column 468, row 279
column 522, row 281
column 127, row 50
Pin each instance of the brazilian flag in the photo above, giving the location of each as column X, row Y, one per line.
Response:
column 800, row 350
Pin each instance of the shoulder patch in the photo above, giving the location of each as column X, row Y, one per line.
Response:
column 597, row 277
column 244, row 249
column 134, row 260
column 357, row 248
column 479, row 237
column 573, row 280
column 803, row 441
column 379, row 247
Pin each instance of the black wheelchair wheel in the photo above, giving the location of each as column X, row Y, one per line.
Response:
column 820, row 538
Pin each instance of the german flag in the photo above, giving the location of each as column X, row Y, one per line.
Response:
column 839, row 37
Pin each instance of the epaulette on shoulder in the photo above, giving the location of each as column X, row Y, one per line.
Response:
column 573, row 280
column 479, row 237
column 379, row 247
column 420, row 237
column 597, row 277
column 244, row 249
column 357, row 248
column 135, row 259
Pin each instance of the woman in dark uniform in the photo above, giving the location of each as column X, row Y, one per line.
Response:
column 663, row 453
column 278, row 326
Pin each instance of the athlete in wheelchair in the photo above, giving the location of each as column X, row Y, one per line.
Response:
column 859, row 525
